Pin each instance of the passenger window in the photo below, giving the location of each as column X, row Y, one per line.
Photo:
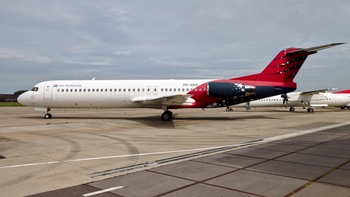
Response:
column 93, row 90
column 58, row 90
column 166, row 89
column 128, row 89
column 133, row 89
column 79, row 90
column 66, row 90
column 143, row 89
column 138, row 89
column 75, row 90
column 88, row 90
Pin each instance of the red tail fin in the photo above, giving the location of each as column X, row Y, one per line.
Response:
column 285, row 66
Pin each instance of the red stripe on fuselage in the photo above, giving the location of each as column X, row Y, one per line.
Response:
column 342, row 92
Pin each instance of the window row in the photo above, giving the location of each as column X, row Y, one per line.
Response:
column 270, row 100
column 129, row 90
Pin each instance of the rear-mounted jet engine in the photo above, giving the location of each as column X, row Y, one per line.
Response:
column 228, row 89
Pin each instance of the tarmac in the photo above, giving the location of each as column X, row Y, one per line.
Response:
column 131, row 152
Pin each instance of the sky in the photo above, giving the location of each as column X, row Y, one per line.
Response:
column 165, row 39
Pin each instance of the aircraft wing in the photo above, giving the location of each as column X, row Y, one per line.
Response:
column 315, row 91
column 165, row 100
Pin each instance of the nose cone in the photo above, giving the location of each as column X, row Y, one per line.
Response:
column 24, row 98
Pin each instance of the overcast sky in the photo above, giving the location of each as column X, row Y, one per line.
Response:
column 168, row 39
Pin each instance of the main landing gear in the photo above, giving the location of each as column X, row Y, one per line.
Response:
column 310, row 110
column 167, row 115
column 48, row 115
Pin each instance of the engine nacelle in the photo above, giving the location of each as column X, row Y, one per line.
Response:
column 227, row 89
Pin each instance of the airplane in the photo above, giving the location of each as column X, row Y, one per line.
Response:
column 275, row 79
column 316, row 98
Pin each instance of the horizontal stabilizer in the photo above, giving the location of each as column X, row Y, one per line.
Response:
column 315, row 49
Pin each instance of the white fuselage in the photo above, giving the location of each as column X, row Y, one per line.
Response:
column 297, row 99
column 105, row 93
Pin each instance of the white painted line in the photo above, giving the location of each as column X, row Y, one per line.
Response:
column 102, row 191
column 289, row 135
column 285, row 136
column 115, row 156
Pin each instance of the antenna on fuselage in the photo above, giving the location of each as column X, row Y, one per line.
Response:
column 93, row 78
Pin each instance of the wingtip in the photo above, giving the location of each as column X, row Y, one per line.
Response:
column 338, row 43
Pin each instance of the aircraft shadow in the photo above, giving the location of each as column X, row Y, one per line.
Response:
column 155, row 121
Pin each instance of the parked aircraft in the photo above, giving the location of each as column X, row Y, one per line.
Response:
column 275, row 79
column 317, row 98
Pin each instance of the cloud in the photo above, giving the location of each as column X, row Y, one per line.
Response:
column 12, row 54
column 122, row 52
column 174, row 39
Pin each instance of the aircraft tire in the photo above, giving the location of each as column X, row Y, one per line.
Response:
column 291, row 109
column 47, row 116
column 167, row 115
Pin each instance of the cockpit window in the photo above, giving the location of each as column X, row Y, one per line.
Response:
column 34, row 89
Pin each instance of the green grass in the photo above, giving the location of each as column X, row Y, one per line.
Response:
column 9, row 104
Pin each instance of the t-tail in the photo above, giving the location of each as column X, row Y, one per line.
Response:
column 285, row 66
column 277, row 77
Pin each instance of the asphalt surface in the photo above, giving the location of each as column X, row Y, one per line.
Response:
column 131, row 152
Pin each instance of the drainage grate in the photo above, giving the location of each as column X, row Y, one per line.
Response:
column 170, row 159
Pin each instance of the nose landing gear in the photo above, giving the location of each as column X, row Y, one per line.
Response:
column 48, row 115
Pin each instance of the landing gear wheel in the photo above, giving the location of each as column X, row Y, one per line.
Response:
column 291, row 109
column 47, row 116
column 229, row 108
column 167, row 115
column 310, row 110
